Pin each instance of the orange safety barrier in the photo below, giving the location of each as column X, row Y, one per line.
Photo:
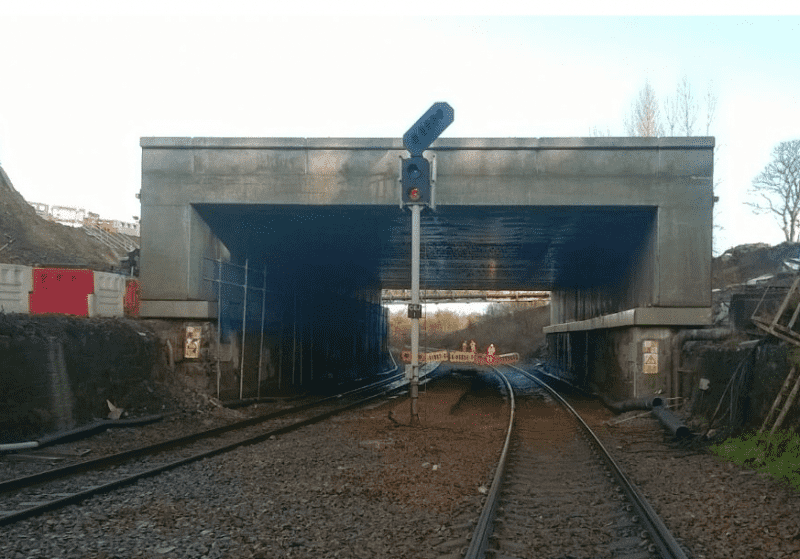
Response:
column 436, row 356
column 506, row 358
column 462, row 357
column 405, row 356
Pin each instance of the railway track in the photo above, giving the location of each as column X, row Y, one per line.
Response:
column 33, row 495
column 557, row 492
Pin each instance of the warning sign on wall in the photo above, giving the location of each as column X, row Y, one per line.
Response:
column 192, row 347
column 650, row 357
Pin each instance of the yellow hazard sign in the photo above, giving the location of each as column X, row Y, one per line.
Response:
column 650, row 357
column 192, row 342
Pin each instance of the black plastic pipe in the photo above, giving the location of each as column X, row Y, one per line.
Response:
column 80, row 432
column 671, row 422
column 631, row 405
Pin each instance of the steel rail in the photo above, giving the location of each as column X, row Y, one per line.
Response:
column 480, row 536
column 127, row 480
column 56, row 473
column 662, row 538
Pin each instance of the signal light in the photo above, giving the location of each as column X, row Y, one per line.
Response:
column 416, row 178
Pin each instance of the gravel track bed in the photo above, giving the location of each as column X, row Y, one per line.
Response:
column 364, row 485
column 715, row 508
column 328, row 490
column 116, row 439
column 557, row 499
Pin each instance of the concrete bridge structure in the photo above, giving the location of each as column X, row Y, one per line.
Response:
column 618, row 229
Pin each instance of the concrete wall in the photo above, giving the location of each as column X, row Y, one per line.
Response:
column 638, row 288
column 321, row 342
column 178, row 241
column 614, row 362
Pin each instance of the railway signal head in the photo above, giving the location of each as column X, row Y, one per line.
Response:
column 416, row 179
column 428, row 128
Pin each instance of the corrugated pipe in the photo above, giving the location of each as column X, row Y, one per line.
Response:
column 671, row 422
column 689, row 335
column 79, row 433
column 631, row 405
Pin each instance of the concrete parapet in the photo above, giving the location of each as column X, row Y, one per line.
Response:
column 16, row 283
column 652, row 316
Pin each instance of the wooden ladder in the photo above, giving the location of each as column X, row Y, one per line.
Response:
column 792, row 377
column 773, row 326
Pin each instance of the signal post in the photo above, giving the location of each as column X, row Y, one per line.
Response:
column 416, row 193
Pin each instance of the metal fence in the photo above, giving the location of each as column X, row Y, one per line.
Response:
column 238, row 286
column 316, row 335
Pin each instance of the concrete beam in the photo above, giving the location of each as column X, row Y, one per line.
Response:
column 202, row 310
column 649, row 316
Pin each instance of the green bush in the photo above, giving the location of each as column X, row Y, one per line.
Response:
column 777, row 455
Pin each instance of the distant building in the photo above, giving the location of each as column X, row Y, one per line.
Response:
column 79, row 217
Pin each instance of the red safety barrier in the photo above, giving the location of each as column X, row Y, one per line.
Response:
column 463, row 357
column 133, row 294
column 506, row 358
column 61, row 290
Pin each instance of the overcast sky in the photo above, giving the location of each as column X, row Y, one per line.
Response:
column 80, row 84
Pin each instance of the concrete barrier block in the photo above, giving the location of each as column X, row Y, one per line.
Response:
column 108, row 296
column 16, row 283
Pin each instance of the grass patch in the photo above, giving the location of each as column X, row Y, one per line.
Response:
column 777, row 455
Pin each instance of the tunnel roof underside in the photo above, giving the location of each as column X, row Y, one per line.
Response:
column 462, row 247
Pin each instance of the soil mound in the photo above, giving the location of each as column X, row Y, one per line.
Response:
column 26, row 238
column 745, row 262
column 58, row 371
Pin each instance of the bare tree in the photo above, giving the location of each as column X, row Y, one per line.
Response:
column 682, row 111
column 687, row 107
column 711, row 107
column 671, row 114
column 644, row 118
column 595, row 132
column 778, row 187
